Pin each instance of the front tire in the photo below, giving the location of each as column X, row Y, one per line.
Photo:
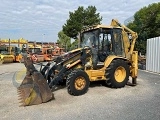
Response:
column 117, row 74
column 77, row 82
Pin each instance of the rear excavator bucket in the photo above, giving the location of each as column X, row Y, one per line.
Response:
column 34, row 88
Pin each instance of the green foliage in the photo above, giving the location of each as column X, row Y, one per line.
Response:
column 74, row 45
column 147, row 24
column 64, row 41
column 80, row 18
column 140, row 46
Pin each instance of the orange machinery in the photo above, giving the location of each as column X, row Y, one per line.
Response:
column 57, row 52
column 43, row 52
column 47, row 53
column 35, row 50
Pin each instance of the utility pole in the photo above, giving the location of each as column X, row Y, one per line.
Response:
column 43, row 39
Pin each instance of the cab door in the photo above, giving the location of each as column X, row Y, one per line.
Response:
column 118, row 48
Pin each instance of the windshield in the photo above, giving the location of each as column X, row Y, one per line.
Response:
column 89, row 38
column 4, row 52
column 49, row 51
column 34, row 50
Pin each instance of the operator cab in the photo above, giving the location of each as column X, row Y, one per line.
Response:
column 103, row 41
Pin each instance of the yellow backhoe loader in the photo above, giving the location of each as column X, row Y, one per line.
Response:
column 105, row 53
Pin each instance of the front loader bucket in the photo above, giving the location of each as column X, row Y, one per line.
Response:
column 34, row 88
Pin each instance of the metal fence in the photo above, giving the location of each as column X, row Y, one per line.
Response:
column 153, row 55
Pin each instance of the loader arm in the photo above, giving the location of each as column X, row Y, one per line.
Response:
column 66, row 67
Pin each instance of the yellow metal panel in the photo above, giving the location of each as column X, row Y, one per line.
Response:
column 1, row 59
column 8, row 58
column 21, row 41
column 78, row 49
column 95, row 75
column 110, row 58
column 134, row 66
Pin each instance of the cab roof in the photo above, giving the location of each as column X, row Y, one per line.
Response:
column 88, row 28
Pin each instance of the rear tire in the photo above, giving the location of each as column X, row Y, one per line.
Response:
column 77, row 82
column 117, row 74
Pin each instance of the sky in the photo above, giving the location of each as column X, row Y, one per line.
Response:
column 41, row 20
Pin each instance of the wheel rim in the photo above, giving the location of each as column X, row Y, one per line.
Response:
column 80, row 83
column 120, row 74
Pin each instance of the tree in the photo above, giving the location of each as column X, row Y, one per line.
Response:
column 147, row 24
column 80, row 18
column 74, row 45
column 64, row 40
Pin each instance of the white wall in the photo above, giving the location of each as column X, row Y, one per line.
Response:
column 153, row 55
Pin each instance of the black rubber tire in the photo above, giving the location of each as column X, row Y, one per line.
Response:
column 70, row 82
column 110, row 71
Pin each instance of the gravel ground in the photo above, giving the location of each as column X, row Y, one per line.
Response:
column 141, row 102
